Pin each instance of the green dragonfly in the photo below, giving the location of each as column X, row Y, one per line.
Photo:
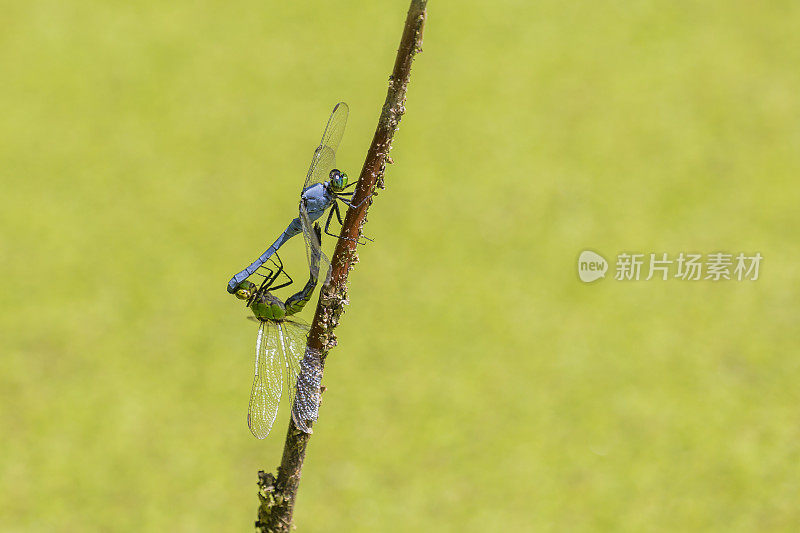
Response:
column 283, row 363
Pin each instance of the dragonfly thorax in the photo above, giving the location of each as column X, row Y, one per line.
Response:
column 263, row 304
column 317, row 199
column 268, row 307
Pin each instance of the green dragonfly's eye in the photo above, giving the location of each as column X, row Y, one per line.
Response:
column 243, row 294
column 245, row 290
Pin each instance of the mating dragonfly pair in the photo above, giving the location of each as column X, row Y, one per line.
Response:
column 282, row 359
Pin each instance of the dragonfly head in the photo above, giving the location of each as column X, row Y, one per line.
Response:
column 245, row 290
column 338, row 180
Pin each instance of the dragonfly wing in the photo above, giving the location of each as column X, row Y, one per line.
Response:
column 316, row 257
column 305, row 407
column 322, row 163
column 324, row 158
column 268, row 381
column 293, row 337
column 304, row 375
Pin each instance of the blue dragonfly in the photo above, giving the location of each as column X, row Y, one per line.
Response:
column 324, row 187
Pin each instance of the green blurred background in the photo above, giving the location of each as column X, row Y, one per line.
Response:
column 149, row 150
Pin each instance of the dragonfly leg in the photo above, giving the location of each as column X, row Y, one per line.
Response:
column 344, row 200
column 282, row 285
column 285, row 284
column 267, row 284
column 356, row 207
column 269, row 272
column 269, row 280
column 335, row 209
column 279, row 264
column 330, row 216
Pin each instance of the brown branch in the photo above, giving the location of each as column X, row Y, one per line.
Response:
column 278, row 495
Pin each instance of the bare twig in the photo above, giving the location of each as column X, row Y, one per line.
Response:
column 278, row 495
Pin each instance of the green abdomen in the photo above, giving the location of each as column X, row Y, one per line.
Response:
column 296, row 302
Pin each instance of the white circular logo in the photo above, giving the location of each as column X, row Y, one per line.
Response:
column 591, row 266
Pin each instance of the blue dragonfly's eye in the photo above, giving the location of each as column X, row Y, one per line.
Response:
column 338, row 179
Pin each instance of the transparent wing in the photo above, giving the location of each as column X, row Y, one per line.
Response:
column 322, row 163
column 294, row 336
column 308, row 389
column 324, row 158
column 268, row 381
column 314, row 254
